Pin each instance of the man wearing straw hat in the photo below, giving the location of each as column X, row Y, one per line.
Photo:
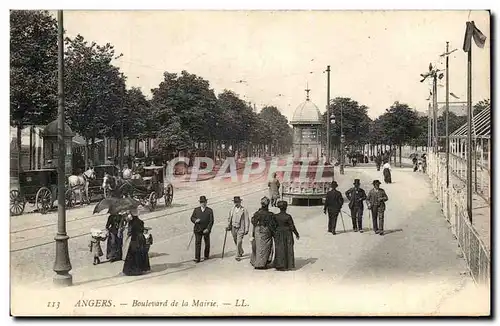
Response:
column 238, row 224
column 376, row 204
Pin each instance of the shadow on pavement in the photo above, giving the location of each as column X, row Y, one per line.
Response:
column 156, row 268
column 157, row 254
column 301, row 262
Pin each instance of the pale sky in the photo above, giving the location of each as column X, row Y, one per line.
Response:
column 375, row 56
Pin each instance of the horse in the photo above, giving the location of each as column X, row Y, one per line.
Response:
column 116, row 186
column 81, row 182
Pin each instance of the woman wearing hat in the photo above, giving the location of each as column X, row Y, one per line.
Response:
column 274, row 193
column 284, row 257
column 264, row 224
column 136, row 259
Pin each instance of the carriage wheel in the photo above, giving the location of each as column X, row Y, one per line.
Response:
column 153, row 199
column 43, row 200
column 17, row 203
column 169, row 195
column 70, row 197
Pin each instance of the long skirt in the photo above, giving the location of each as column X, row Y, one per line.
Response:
column 125, row 244
column 137, row 260
column 114, row 247
column 262, row 251
column 387, row 176
column 284, row 257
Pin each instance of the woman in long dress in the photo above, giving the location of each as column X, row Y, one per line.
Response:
column 274, row 193
column 264, row 223
column 137, row 259
column 284, row 257
column 387, row 172
column 114, row 244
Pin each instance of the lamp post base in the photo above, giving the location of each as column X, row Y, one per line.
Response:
column 62, row 265
column 63, row 279
column 342, row 169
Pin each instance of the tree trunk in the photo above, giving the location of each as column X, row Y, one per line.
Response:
column 19, row 154
column 86, row 153
column 400, row 164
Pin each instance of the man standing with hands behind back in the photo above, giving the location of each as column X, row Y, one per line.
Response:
column 203, row 220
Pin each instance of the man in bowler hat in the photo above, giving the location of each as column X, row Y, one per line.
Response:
column 238, row 224
column 376, row 203
column 356, row 195
column 333, row 204
column 203, row 220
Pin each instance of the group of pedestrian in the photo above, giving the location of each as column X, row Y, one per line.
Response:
column 375, row 201
column 270, row 233
column 127, row 239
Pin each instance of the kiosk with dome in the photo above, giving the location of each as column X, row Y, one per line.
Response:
column 317, row 175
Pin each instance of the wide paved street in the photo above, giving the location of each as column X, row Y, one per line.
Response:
column 414, row 269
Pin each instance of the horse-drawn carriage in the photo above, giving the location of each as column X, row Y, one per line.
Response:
column 147, row 187
column 38, row 187
column 152, row 186
column 96, row 184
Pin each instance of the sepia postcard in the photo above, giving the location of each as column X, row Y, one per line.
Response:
column 250, row 163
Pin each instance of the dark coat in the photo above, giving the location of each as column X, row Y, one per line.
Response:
column 206, row 219
column 355, row 197
column 334, row 200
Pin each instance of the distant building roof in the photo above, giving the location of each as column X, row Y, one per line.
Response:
column 481, row 126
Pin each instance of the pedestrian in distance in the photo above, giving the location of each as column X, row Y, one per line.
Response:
column 203, row 220
column 274, row 187
column 284, row 257
column 386, row 170
column 376, row 204
column 356, row 196
column 95, row 244
column 238, row 224
column 333, row 205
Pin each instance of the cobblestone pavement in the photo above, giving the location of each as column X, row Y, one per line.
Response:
column 414, row 269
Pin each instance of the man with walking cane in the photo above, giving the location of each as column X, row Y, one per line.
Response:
column 203, row 220
column 356, row 196
column 333, row 204
column 239, row 225
column 376, row 203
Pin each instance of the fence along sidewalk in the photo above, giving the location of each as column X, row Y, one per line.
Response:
column 475, row 248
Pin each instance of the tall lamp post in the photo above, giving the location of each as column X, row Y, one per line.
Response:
column 62, row 265
column 331, row 121
column 342, row 139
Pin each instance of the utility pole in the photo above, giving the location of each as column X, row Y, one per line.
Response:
column 447, row 116
column 328, row 114
column 435, row 109
column 342, row 140
column 62, row 265
column 469, row 134
column 121, row 147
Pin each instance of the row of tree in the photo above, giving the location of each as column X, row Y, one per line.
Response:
column 400, row 125
column 182, row 112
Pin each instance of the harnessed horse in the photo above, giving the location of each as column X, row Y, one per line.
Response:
column 81, row 182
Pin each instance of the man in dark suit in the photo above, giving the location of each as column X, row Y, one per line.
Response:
column 203, row 220
column 356, row 195
column 333, row 204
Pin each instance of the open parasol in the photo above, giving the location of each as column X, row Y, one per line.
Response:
column 116, row 205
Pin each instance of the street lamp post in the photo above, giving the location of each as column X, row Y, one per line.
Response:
column 342, row 139
column 62, row 265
